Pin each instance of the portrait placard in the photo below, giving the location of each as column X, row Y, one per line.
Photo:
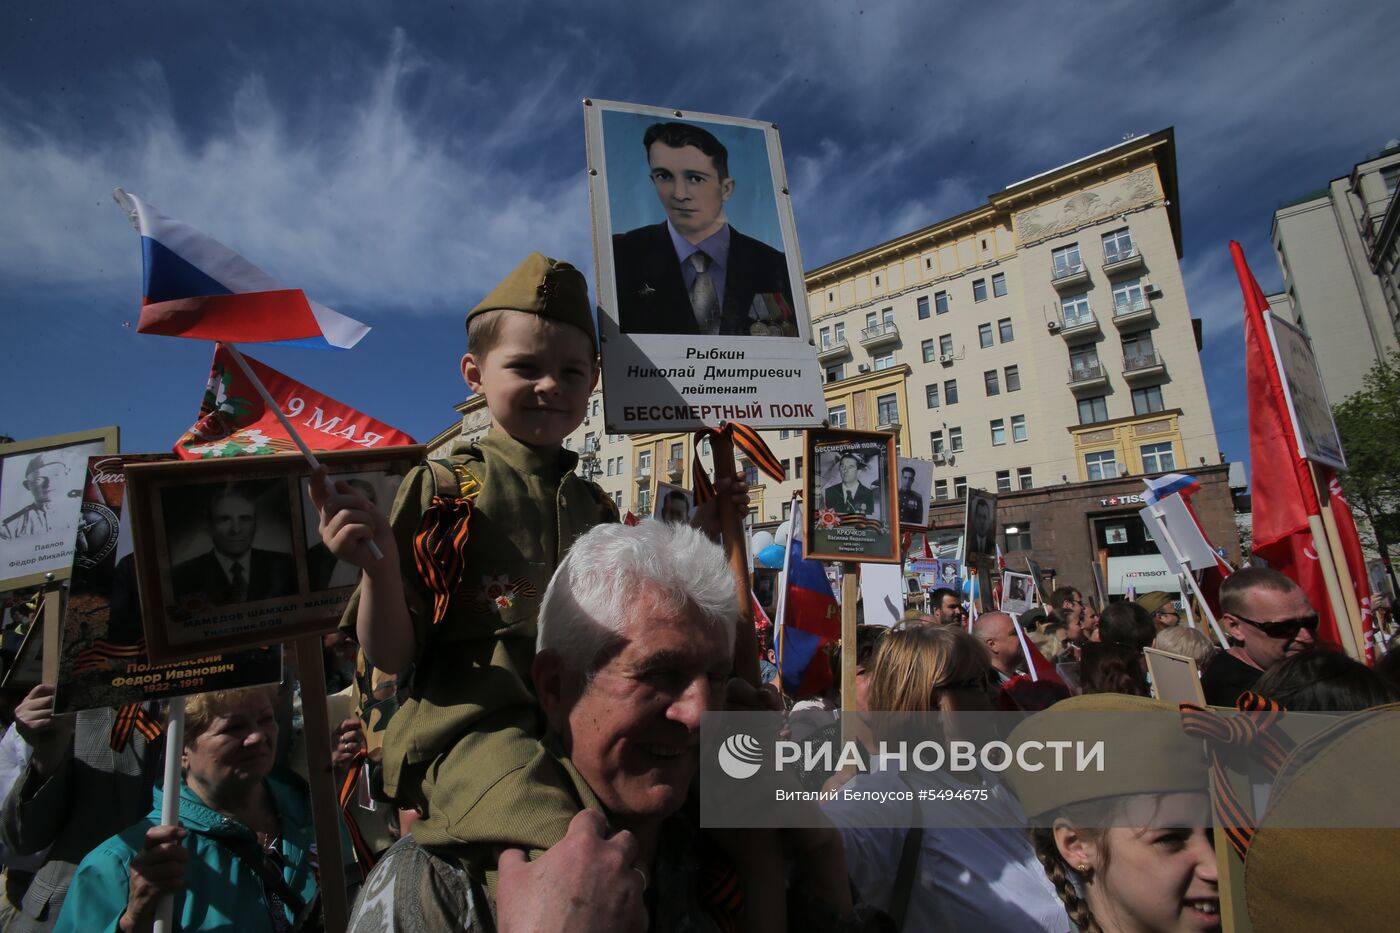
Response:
column 915, row 487
column 980, row 527
column 673, row 504
column 1175, row 677
column 1017, row 592
column 850, row 485
column 25, row 670
column 41, row 488
column 102, row 647
column 1314, row 430
column 1042, row 586
column 224, row 548
column 702, row 304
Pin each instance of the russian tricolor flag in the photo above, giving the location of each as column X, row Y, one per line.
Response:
column 1167, row 484
column 194, row 286
column 808, row 618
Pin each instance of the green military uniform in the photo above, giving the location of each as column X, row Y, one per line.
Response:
column 461, row 745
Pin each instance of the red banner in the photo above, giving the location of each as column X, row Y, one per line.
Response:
column 234, row 421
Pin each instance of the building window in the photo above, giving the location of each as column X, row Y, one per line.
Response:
column 955, row 439
column 1075, row 309
column 1084, row 363
column 1390, row 177
column 923, row 307
column 1013, row 379
column 940, row 302
column 797, row 464
column 984, row 335
column 1101, row 465
column 945, row 345
column 825, row 335
column 998, row 432
column 617, row 499
column 836, row 373
column 784, row 434
column 991, row 382
column 931, row 394
column 1117, row 245
column 1158, row 458
column 677, row 450
column 644, row 463
column 940, row 489
column 1018, row 428
column 610, row 466
column 887, row 409
column 705, row 446
column 1004, row 330
column 1003, row 480
column 870, row 320
column 644, row 502
column 750, row 474
column 1138, row 352
column 1018, row 536
column 837, row 416
column 959, row 486
column 1093, row 410
column 1127, row 296
column 950, row 391
column 929, row 353
column 1147, row 400
column 999, row 285
column 884, row 361
column 1023, row 478
column 787, row 510
column 935, row 441
column 1066, row 260
column 979, row 290
column 838, row 333
column 785, row 464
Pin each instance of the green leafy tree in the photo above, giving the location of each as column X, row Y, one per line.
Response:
column 1369, row 424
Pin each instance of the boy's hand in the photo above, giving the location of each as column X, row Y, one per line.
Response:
column 706, row 517
column 348, row 521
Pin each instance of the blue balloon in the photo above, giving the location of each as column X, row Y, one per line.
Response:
column 771, row 556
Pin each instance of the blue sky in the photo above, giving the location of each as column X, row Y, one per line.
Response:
column 395, row 160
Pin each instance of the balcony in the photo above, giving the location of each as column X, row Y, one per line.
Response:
column 1123, row 260
column 1143, row 365
column 1087, row 376
column 675, row 468
column 643, row 474
column 1133, row 311
column 888, row 422
column 879, row 336
column 832, row 351
column 1066, row 275
column 1080, row 325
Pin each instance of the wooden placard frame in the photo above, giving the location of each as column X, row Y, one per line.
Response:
column 826, row 443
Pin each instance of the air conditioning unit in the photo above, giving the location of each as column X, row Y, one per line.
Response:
column 1052, row 326
column 864, row 367
column 940, row 457
column 1149, row 289
column 947, row 358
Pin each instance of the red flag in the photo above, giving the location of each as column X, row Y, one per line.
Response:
column 233, row 420
column 1356, row 563
column 629, row 518
column 1279, row 482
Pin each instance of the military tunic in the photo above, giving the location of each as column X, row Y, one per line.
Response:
column 462, row 745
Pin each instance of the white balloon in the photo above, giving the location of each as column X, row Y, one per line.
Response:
column 761, row 541
column 781, row 536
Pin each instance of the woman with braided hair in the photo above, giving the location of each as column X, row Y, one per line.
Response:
column 1131, row 853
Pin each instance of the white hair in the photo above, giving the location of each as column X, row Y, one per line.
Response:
column 610, row 571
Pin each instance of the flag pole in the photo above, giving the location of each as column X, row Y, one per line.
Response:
column 850, row 594
column 170, row 803
column 780, row 623
column 1339, row 561
column 731, row 525
column 1186, row 601
column 1025, row 646
column 1340, row 615
column 1181, row 561
column 287, row 424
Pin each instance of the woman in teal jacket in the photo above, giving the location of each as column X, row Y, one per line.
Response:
column 241, row 858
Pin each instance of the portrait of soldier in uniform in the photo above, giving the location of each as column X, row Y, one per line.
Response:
column 43, row 477
column 850, row 495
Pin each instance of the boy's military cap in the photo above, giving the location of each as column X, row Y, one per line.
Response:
column 548, row 287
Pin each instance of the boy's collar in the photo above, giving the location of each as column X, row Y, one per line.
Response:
column 528, row 458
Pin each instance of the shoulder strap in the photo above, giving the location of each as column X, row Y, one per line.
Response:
column 252, row 855
column 607, row 508
column 454, row 480
column 904, row 877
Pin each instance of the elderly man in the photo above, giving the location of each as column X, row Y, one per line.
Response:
column 635, row 645
column 998, row 633
column 232, row 570
column 1267, row 616
column 694, row 273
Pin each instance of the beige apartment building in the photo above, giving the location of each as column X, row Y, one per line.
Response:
column 1042, row 339
column 1340, row 257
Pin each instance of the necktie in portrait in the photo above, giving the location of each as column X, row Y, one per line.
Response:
column 704, row 300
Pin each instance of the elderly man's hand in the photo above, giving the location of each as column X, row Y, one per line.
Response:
column 585, row 883
column 740, row 696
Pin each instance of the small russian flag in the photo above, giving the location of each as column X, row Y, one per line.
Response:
column 808, row 618
column 1160, row 487
column 194, row 286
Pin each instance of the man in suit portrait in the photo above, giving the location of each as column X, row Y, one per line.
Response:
column 850, row 496
column 693, row 273
column 911, row 503
column 981, row 535
column 233, row 571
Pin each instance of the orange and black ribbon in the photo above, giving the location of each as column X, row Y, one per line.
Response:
column 132, row 717
column 439, row 547
column 747, row 440
column 1252, row 732
column 363, row 855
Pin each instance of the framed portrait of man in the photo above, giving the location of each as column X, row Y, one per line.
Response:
column 913, row 493
column 980, row 527
column 224, row 558
column 702, row 305
column 854, row 514
column 324, row 571
column 1017, row 592
column 41, row 488
column 673, row 504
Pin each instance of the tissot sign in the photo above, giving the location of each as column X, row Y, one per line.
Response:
column 1121, row 500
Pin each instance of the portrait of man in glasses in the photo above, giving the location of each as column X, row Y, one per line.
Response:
column 1267, row 617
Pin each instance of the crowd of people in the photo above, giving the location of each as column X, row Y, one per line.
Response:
column 552, row 668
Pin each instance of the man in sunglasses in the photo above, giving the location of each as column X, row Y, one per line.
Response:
column 1267, row 616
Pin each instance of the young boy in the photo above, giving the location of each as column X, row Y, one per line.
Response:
column 464, row 746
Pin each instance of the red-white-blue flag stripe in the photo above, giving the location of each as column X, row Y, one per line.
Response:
column 194, row 286
column 1160, row 487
